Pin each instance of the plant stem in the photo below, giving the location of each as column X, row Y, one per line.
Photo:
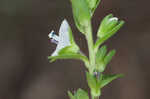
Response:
column 96, row 97
column 89, row 38
column 93, row 97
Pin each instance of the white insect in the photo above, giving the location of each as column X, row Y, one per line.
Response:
column 63, row 39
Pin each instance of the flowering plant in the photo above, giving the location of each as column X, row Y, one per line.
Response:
column 98, row 57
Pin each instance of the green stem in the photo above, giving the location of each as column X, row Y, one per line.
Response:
column 96, row 97
column 89, row 38
column 92, row 97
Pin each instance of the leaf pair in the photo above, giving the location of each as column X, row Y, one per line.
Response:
column 102, row 58
column 96, row 84
column 80, row 94
column 69, row 55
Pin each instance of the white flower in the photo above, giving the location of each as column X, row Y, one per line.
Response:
column 66, row 47
column 63, row 40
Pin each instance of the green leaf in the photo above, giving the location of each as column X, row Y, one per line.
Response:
column 109, row 56
column 81, row 14
column 94, row 84
column 96, row 92
column 97, row 3
column 69, row 49
column 106, row 79
column 101, row 53
column 102, row 59
column 68, row 56
column 99, row 80
column 91, row 79
column 93, row 4
column 79, row 27
column 100, row 66
column 71, row 95
column 81, row 94
column 108, row 35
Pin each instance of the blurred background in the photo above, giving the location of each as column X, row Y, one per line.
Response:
column 25, row 72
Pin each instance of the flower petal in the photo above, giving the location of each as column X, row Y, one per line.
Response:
column 64, row 39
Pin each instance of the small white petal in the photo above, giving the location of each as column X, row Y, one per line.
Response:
column 64, row 39
column 114, row 18
column 53, row 36
column 54, row 41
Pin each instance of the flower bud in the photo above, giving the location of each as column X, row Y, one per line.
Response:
column 108, row 25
